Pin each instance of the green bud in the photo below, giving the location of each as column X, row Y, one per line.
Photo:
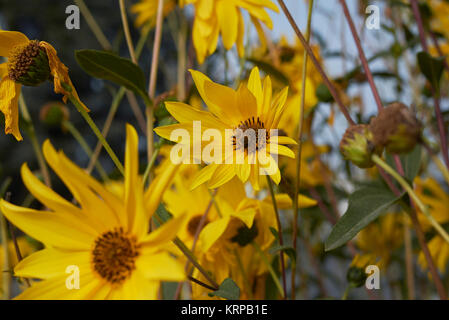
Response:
column 357, row 146
column 53, row 114
column 356, row 277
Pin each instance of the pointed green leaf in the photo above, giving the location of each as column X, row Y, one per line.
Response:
column 108, row 66
column 228, row 289
column 365, row 205
column 432, row 68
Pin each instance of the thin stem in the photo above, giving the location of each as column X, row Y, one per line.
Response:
column 435, row 91
column 116, row 103
column 182, row 58
column 368, row 73
column 281, row 239
column 97, row 132
column 244, row 275
column 79, row 137
column 412, row 195
column 189, row 254
column 201, row 283
column 150, row 165
column 409, row 261
column 153, row 77
column 107, row 125
column 129, row 40
column 332, row 89
column 270, row 270
column 93, row 25
column 17, row 248
column 298, row 155
column 34, row 142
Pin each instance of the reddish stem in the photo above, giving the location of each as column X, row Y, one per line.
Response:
column 332, row 89
column 435, row 93
column 368, row 73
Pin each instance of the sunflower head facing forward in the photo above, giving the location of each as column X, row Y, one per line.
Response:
column 237, row 136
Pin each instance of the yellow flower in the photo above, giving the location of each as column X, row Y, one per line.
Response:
column 437, row 200
column 380, row 238
column 29, row 63
column 106, row 238
column 233, row 114
column 439, row 22
column 288, row 59
column 214, row 17
column 146, row 11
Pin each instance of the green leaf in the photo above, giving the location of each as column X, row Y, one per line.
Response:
column 365, row 205
column 411, row 163
column 228, row 289
column 431, row 67
column 109, row 66
column 287, row 249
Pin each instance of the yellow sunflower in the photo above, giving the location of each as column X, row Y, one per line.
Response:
column 227, row 242
column 105, row 238
column 212, row 18
column 437, row 200
column 146, row 11
column 30, row 62
column 232, row 117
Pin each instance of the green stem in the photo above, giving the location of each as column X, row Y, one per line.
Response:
column 97, row 132
column 93, row 25
column 150, row 166
column 281, row 240
column 34, row 142
column 270, row 269
column 412, row 195
column 346, row 293
column 78, row 137
column 189, row 255
column 298, row 156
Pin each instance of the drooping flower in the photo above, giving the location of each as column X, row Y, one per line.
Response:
column 30, row 62
column 105, row 238
column 233, row 117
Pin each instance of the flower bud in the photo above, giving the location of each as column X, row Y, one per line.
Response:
column 28, row 64
column 356, row 277
column 357, row 146
column 396, row 128
column 53, row 114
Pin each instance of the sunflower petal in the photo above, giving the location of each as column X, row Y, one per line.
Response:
column 10, row 39
column 60, row 74
column 9, row 106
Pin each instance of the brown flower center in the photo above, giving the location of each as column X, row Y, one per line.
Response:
column 247, row 135
column 115, row 254
column 21, row 58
